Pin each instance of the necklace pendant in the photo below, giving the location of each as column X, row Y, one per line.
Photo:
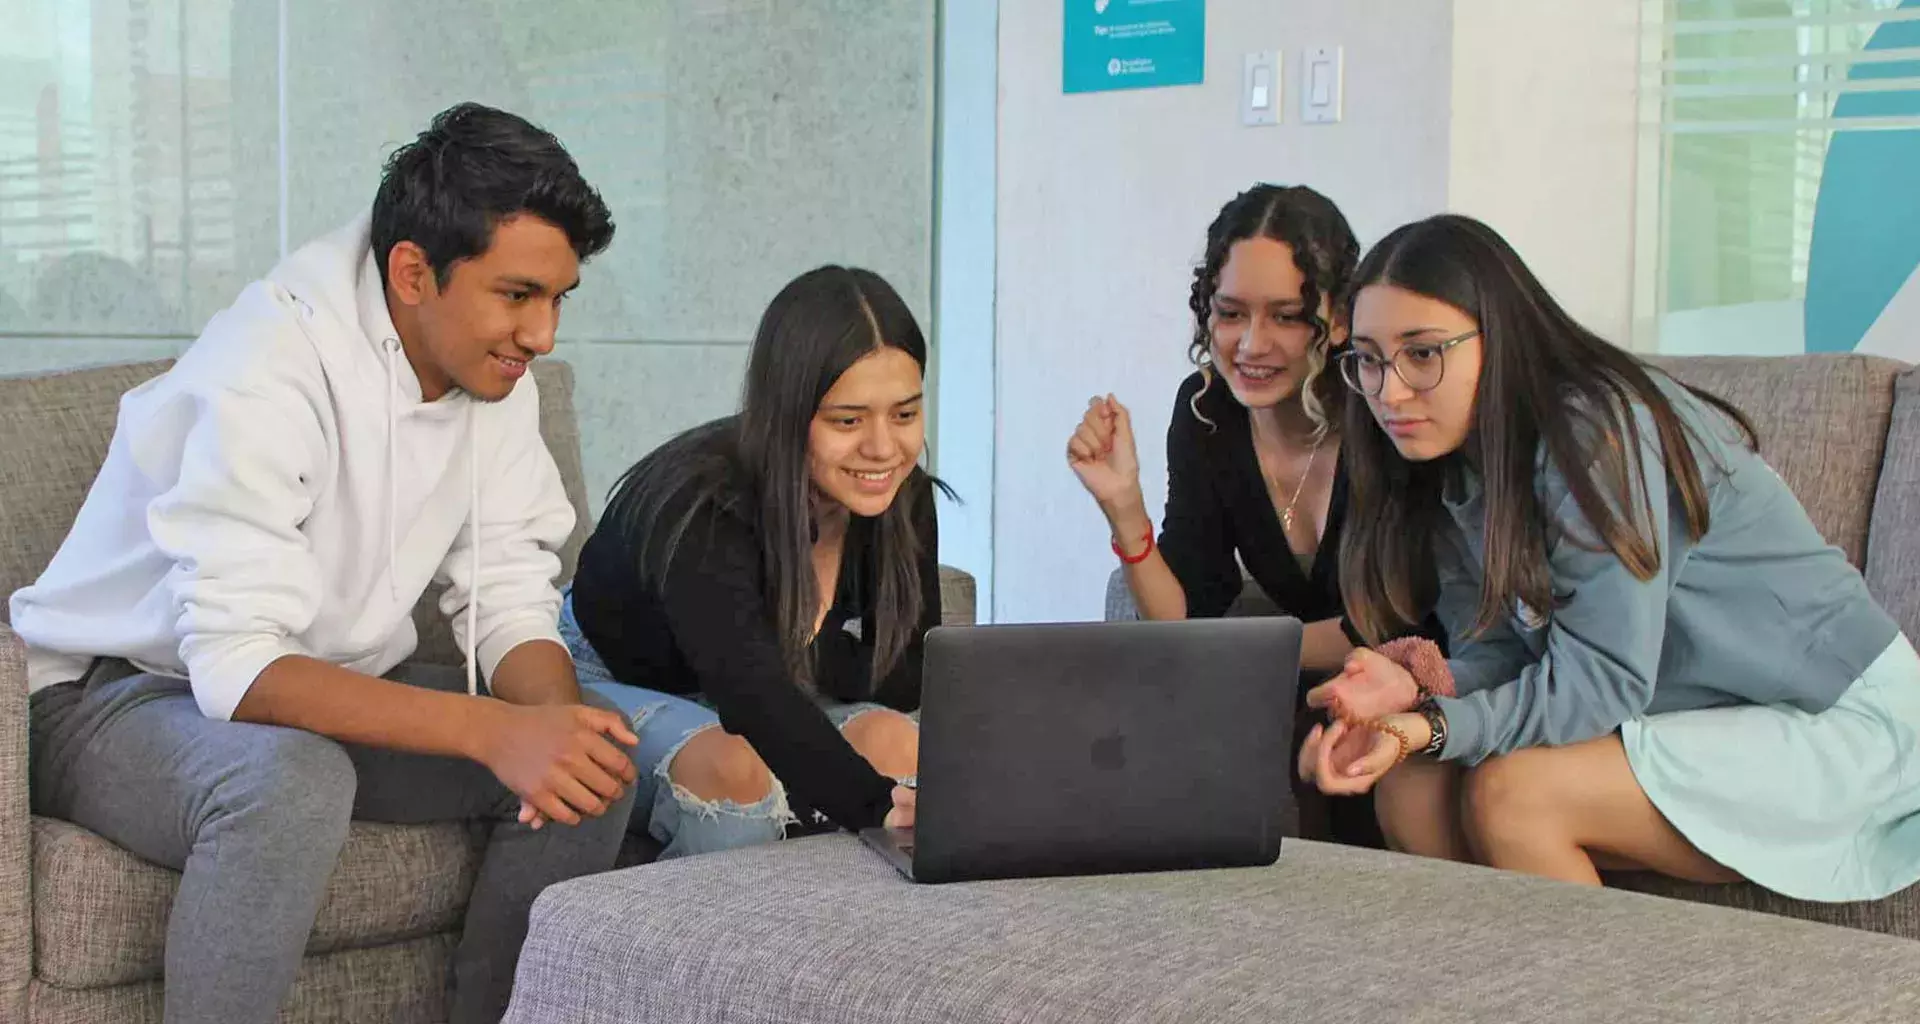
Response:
column 1286, row 520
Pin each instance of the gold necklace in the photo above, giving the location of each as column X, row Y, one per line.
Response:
column 1286, row 514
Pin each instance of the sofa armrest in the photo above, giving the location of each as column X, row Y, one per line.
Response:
column 16, row 832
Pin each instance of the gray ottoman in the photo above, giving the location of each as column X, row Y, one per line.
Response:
column 820, row 930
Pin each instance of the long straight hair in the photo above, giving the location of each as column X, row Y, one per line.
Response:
column 754, row 464
column 1545, row 382
column 1325, row 251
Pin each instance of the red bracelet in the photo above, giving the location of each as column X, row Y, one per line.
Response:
column 1142, row 556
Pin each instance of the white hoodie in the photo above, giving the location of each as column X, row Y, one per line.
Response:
column 284, row 490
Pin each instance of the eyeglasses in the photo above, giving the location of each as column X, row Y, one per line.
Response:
column 1421, row 365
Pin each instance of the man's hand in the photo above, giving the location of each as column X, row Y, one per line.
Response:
column 559, row 759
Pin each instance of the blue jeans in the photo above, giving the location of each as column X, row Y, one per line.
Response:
column 682, row 822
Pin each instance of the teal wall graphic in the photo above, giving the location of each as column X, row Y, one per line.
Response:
column 1133, row 44
column 1866, row 226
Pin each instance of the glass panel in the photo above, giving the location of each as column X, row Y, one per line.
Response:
column 1774, row 114
column 738, row 142
column 122, row 123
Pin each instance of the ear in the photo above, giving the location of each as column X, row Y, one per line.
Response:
column 410, row 274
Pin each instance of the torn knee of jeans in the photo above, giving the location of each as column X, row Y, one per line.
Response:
column 663, row 769
column 772, row 807
column 858, row 713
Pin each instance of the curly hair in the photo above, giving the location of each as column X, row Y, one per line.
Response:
column 1325, row 250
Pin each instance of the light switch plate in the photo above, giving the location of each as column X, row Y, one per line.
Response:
column 1260, row 74
column 1322, row 80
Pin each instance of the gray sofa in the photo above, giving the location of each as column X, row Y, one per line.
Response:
column 82, row 922
column 1844, row 431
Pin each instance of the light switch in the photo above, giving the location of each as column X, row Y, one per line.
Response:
column 1320, row 90
column 1260, row 89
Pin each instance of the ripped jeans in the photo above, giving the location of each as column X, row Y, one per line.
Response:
column 682, row 822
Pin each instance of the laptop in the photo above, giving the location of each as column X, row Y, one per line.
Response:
column 1100, row 748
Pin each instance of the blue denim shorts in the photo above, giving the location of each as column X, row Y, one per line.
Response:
column 683, row 823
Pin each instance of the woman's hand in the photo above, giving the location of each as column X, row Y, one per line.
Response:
column 903, row 804
column 1340, row 744
column 1103, row 455
column 1370, row 686
column 1349, row 758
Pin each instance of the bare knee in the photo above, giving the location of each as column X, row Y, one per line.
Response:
column 1418, row 808
column 717, row 765
column 889, row 740
column 1507, row 795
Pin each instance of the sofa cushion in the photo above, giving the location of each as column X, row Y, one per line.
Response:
column 404, row 983
column 1120, row 606
column 100, row 913
column 957, row 597
column 1898, row 914
column 1893, row 546
column 1822, row 421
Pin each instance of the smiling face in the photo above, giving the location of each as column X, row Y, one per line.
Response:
column 1402, row 339
column 1261, row 338
column 867, row 435
column 497, row 312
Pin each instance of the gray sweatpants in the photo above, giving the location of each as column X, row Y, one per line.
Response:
column 253, row 816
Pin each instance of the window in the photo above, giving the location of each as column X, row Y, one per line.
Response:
column 1780, row 177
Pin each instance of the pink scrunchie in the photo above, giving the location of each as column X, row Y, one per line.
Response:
column 1423, row 661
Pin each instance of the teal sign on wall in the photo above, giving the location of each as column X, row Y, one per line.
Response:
column 1134, row 44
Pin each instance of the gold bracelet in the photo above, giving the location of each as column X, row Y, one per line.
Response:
column 1381, row 725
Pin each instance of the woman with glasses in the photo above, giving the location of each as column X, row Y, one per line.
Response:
column 1253, row 452
column 1658, row 663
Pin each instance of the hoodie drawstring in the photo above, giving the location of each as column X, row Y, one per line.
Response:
column 473, row 545
column 392, row 345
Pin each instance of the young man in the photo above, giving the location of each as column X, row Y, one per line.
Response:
column 217, row 652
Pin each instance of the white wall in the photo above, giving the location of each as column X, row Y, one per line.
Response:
column 1544, row 136
column 1103, row 205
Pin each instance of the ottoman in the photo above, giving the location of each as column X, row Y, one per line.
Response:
column 820, row 930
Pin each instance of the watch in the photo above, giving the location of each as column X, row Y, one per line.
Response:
column 1436, row 724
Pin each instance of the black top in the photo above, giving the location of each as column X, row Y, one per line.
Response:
column 707, row 629
column 1218, row 505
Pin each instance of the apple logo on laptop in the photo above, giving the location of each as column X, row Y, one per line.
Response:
column 1110, row 752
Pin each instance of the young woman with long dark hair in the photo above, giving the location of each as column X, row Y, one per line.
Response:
column 1658, row 663
column 756, row 594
